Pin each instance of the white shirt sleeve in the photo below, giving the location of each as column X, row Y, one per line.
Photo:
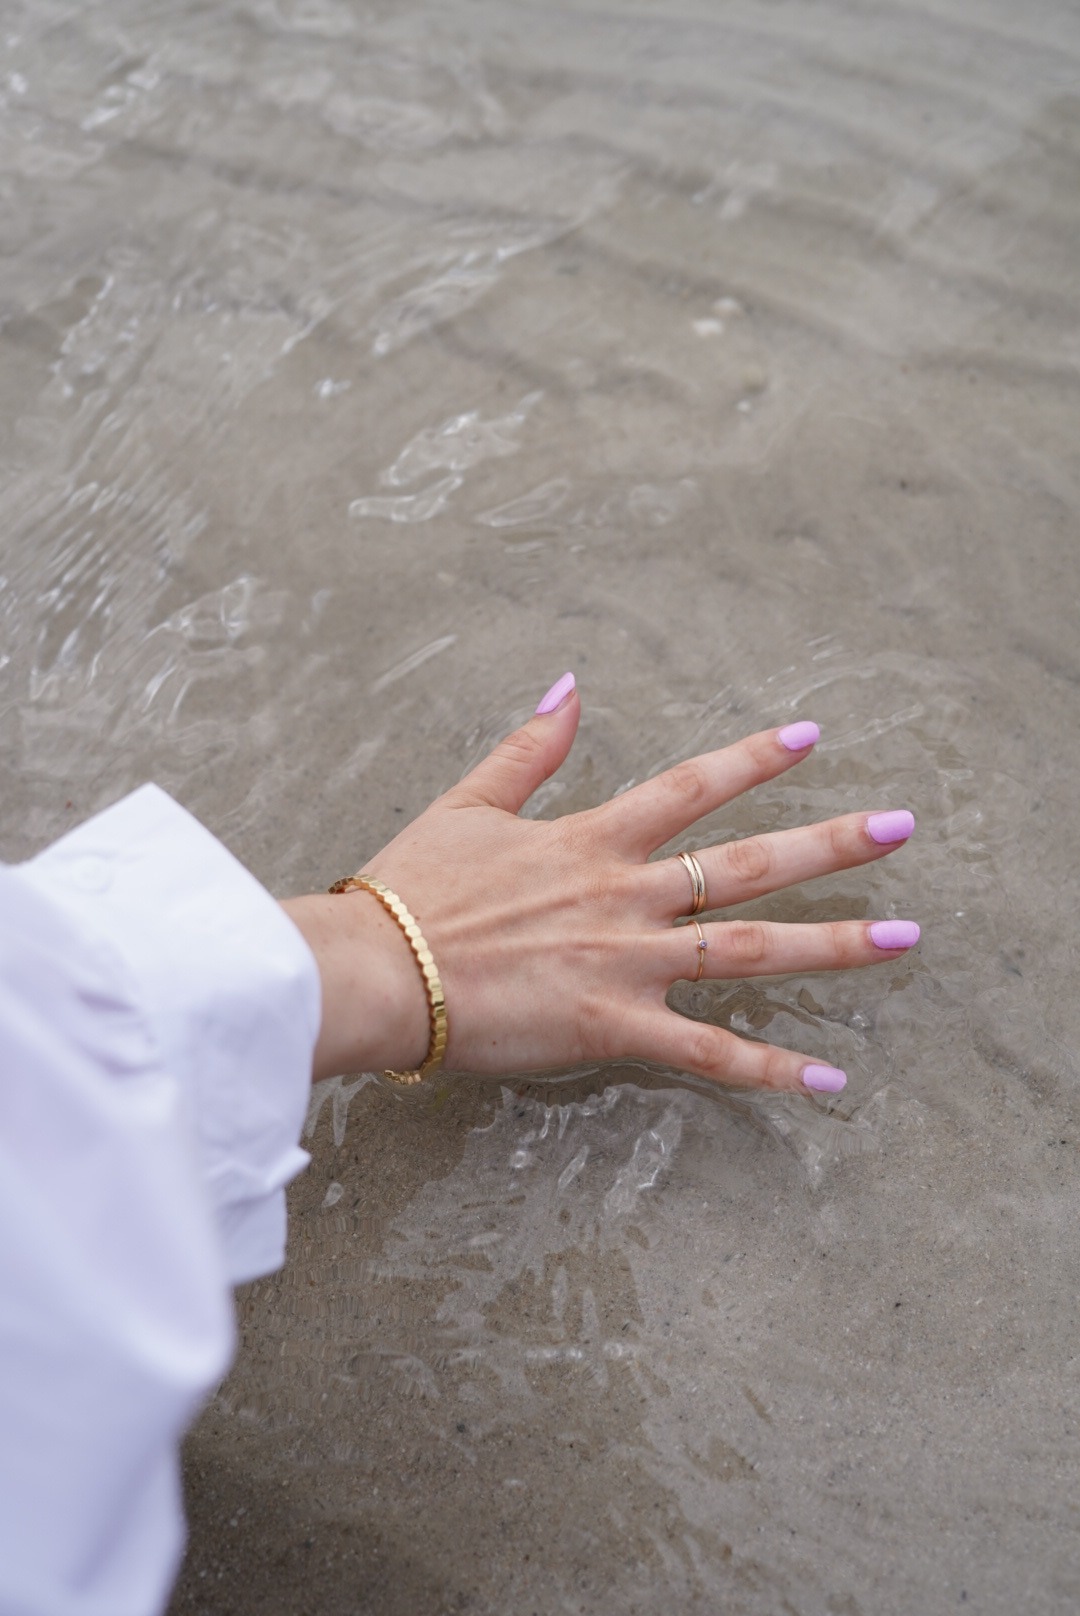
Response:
column 158, row 1017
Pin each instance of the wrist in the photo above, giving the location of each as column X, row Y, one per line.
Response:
column 374, row 1004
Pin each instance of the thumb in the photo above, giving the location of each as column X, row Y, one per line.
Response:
column 510, row 774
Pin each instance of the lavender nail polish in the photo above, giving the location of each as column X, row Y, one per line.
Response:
column 797, row 737
column 558, row 693
column 895, row 826
column 895, row 933
column 826, row 1079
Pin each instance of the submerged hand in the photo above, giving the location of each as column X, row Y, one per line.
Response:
column 555, row 939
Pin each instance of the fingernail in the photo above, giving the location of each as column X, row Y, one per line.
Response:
column 827, row 1079
column 896, row 826
column 797, row 737
column 895, row 933
column 558, row 693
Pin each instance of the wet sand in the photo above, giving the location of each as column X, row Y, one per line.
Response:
column 361, row 370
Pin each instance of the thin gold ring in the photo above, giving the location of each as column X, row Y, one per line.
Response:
column 702, row 949
column 697, row 882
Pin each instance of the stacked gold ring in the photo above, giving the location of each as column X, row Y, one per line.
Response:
column 697, row 882
column 432, row 985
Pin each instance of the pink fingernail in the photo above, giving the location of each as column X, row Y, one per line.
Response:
column 797, row 737
column 896, row 826
column 558, row 693
column 895, row 933
column 827, row 1079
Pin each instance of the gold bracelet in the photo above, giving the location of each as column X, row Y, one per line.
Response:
column 432, row 986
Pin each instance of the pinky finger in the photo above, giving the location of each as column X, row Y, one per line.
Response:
column 671, row 1039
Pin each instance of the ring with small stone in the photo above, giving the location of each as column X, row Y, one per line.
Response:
column 702, row 949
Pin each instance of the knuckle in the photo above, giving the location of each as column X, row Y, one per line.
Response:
column 590, row 1015
column 578, row 845
column 703, row 1051
column 749, row 861
column 689, row 781
column 606, row 885
column 595, row 1032
column 595, row 886
column 601, row 824
column 521, row 747
column 746, row 942
column 763, row 753
column 619, row 886
column 838, row 839
column 775, row 1070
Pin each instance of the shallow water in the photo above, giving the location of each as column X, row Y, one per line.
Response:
column 363, row 367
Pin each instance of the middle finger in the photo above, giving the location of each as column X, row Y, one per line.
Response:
column 737, row 871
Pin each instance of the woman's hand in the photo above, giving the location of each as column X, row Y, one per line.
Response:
column 555, row 939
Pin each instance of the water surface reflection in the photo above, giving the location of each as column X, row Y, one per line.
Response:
column 361, row 368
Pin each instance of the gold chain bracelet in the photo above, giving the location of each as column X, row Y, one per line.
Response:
column 432, row 985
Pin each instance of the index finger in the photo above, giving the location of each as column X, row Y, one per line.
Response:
column 648, row 815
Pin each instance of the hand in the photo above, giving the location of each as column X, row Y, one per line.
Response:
column 555, row 940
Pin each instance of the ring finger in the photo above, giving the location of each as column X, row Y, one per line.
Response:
column 729, row 950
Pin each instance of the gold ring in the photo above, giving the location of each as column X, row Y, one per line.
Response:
column 697, row 881
column 702, row 947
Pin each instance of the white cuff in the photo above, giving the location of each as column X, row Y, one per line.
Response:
column 230, row 991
